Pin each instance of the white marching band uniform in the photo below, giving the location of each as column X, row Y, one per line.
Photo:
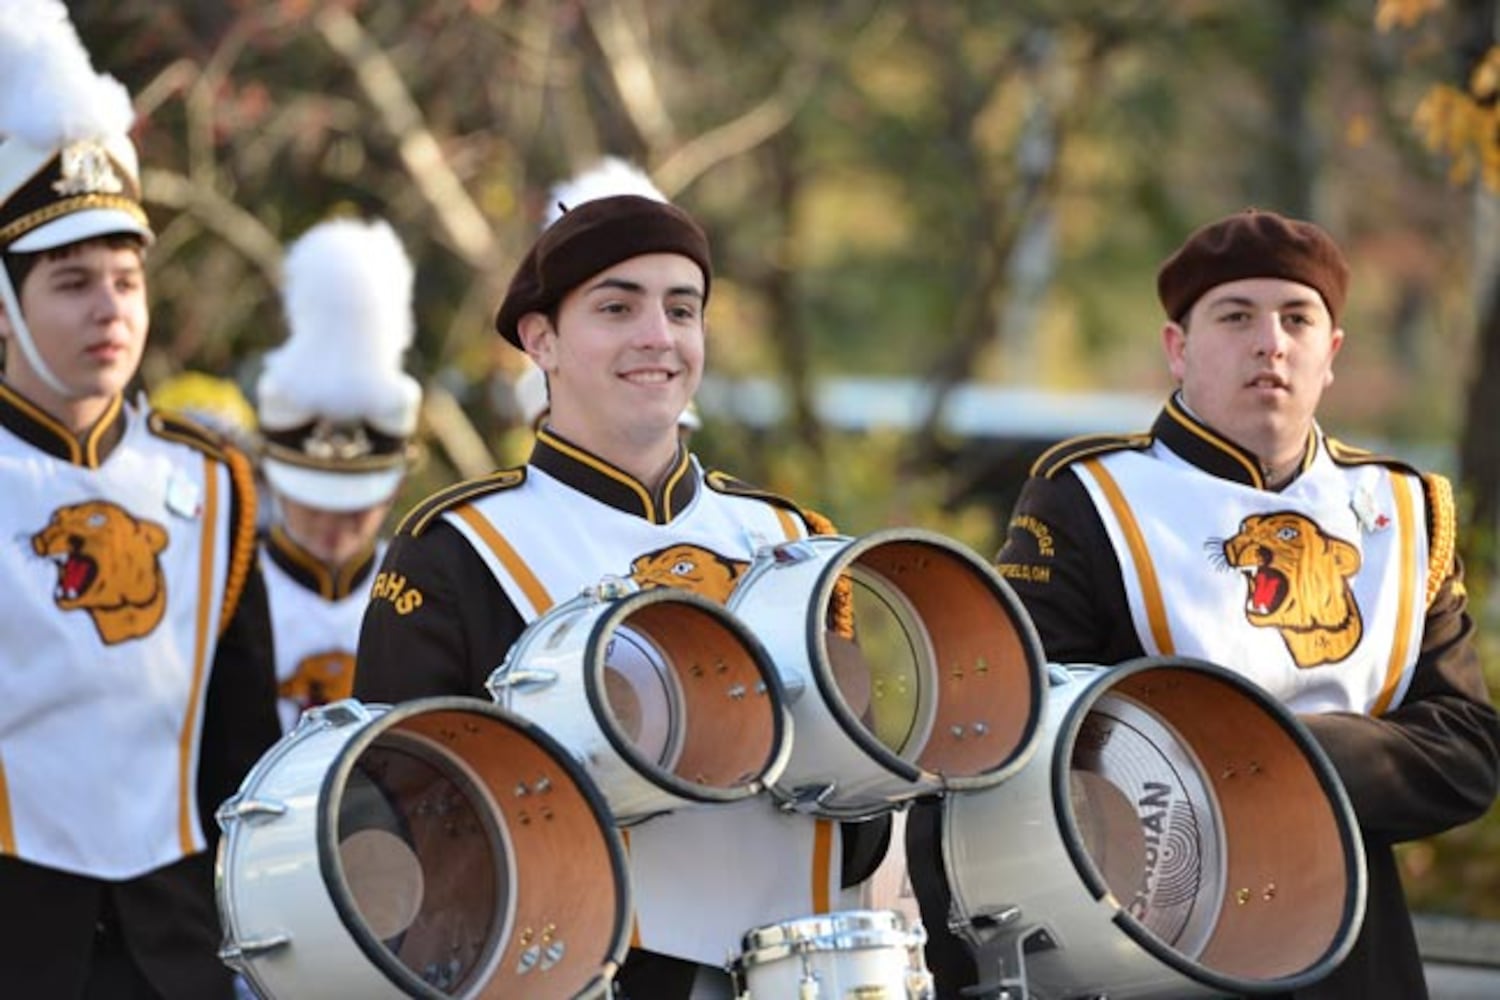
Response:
column 1178, row 609
column 138, row 697
column 757, row 863
column 315, row 616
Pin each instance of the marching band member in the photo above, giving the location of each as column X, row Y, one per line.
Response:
column 136, row 688
column 609, row 303
column 610, row 176
column 1240, row 533
column 337, row 414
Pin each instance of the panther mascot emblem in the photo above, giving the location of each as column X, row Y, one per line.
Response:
column 688, row 567
column 107, row 565
column 1298, row 582
column 319, row 679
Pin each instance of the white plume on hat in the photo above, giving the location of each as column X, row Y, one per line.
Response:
column 611, row 176
column 64, row 143
column 347, row 295
column 49, row 92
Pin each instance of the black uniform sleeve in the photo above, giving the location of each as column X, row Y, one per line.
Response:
column 239, row 714
column 1057, row 558
column 1433, row 762
column 438, row 622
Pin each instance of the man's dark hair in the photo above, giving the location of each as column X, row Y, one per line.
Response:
column 19, row 265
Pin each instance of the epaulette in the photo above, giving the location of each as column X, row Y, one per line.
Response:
column 1065, row 453
column 1442, row 527
column 1347, row 454
column 174, row 427
column 185, row 430
column 424, row 513
column 723, row 482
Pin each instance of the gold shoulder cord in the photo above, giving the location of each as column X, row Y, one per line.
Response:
column 841, row 603
column 242, row 546
column 1444, row 532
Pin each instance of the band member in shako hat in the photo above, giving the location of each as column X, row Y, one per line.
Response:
column 609, row 302
column 337, row 415
column 136, row 685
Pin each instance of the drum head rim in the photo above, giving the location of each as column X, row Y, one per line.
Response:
column 605, row 625
column 822, row 670
column 326, row 834
column 1100, row 684
column 313, row 722
column 868, row 929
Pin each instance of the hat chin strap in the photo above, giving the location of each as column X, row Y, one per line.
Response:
column 23, row 338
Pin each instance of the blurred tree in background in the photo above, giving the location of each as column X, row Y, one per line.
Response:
column 954, row 193
column 1457, row 116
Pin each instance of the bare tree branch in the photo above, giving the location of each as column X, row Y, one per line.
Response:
column 693, row 159
column 219, row 215
column 460, row 219
column 450, row 425
column 617, row 30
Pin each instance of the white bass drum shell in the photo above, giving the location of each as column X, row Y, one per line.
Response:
column 438, row 849
column 1181, row 835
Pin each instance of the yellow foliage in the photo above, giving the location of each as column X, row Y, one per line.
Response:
column 1485, row 80
column 1456, row 125
column 1403, row 13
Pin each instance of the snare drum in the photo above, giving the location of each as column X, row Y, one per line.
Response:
column 439, row 849
column 1182, row 836
column 936, row 687
column 853, row 955
column 665, row 698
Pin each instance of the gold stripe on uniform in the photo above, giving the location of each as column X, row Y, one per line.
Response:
column 822, row 866
column 584, row 458
column 1405, row 608
column 187, row 813
column 1156, row 611
column 100, row 428
column 537, row 594
column 7, row 824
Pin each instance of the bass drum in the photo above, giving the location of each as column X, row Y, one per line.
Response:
column 911, row 666
column 860, row 954
column 666, row 698
column 1182, row 836
column 438, row 849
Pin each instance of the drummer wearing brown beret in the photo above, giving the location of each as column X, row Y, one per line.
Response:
column 609, row 303
column 1237, row 531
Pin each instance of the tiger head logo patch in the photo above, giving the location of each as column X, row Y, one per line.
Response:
column 107, row 565
column 320, row 679
column 688, row 567
column 1297, row 579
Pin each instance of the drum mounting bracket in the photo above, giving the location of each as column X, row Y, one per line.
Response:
column 808, row 798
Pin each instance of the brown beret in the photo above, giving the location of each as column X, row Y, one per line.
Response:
column 588, row 239
column 1253, row 244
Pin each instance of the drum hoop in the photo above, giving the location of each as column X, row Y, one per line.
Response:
column 851, row 930
column 1338, row 800
column 593, row 675
column 822, row 670
column 326, row 834
column 323, row 717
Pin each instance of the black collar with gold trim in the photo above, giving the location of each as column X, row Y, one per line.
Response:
column 41, row 430
column 328, row 582
column 1215, row 454
column 590, row 474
